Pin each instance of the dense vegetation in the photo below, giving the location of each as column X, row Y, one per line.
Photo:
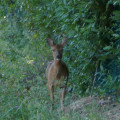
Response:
column 92, row 54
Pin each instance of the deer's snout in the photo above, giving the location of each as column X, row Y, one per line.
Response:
column 59, row 56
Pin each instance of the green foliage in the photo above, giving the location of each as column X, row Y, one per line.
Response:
column 92, row 54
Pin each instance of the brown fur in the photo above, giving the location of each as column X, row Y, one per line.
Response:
column 57, row 72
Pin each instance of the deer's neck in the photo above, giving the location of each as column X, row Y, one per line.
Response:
column 57, row 63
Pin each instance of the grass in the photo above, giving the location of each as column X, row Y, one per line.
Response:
column 16, row 103
column 19, row 104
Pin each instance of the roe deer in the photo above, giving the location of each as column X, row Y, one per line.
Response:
column 57, row 72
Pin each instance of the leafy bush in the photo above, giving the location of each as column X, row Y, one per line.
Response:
column 92, row 53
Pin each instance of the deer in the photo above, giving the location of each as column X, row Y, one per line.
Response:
column 57, row 72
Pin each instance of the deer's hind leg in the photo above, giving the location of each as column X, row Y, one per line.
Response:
column 62, row 96
column 51, row 90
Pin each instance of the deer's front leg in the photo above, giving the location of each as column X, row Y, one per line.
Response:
column 51, row 90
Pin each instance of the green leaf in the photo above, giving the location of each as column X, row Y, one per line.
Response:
column 64, row 1
column 116, row 35
column 107, row 48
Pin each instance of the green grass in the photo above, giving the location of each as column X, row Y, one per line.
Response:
column 19, row 104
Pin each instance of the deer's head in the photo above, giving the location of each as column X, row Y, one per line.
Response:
column 57, row 48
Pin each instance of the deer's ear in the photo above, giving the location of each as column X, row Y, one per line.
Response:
column 64, row 41
column 50, row 42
